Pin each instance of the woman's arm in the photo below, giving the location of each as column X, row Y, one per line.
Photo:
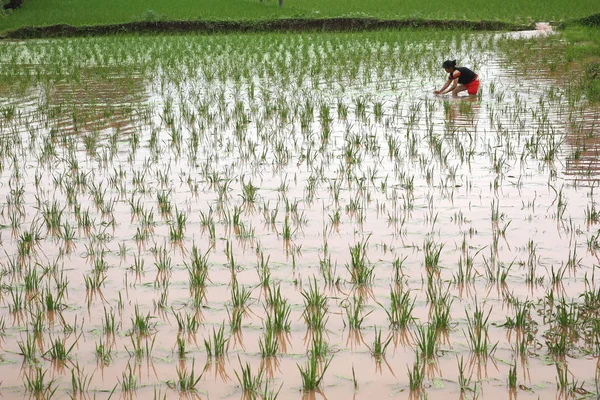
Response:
column 451, row 88
column 443, row 87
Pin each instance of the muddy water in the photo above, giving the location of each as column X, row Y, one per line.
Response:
column 506, row 181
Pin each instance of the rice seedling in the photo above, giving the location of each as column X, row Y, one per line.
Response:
column 37, row 384
column 319, row 345
column 315, row 307
column 109, row 321
column 512, row 377
column 103, row 353
column 249, row 192
column 177, row 226
column 17, row 300
column 235, row 319
column 432, row 253
column 464, row 382
column 250, row 384
column 142, row 324
column 522, row 318
column 427, row 340
column 416, row 376
column 379, row 347
column 239, row 295
column 354, row 313
column 128, row 381
column 59, row 351
column 268, row 343
column 477, row 331
column 141, row 349
column 217, row 346
column 80, row 381
column 401, row 307
column 187, row 380
column 264, row 273
column 361, row 272
column 313, row 372
column 29, row 349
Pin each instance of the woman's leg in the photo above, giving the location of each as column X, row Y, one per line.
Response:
column 458, row 89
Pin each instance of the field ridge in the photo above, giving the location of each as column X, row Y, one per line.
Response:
column 338, row 24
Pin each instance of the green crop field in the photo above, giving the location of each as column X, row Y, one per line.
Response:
column 93, row 12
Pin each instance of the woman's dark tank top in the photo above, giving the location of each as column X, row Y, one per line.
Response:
column 466, row 75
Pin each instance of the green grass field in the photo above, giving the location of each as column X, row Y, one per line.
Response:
column 95, row 12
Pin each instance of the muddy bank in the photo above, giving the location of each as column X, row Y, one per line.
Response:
column 283, row 25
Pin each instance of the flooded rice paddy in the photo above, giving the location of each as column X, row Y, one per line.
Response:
column 295, row 216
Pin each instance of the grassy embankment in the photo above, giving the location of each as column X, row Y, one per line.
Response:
column 583, row 47
column 100, row 12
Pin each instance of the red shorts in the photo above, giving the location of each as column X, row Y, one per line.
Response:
column 473, row 86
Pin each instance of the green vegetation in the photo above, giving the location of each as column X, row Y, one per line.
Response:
column 101, row 12
column 583, row 48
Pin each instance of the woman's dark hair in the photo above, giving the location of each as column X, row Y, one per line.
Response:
column 449, row 64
